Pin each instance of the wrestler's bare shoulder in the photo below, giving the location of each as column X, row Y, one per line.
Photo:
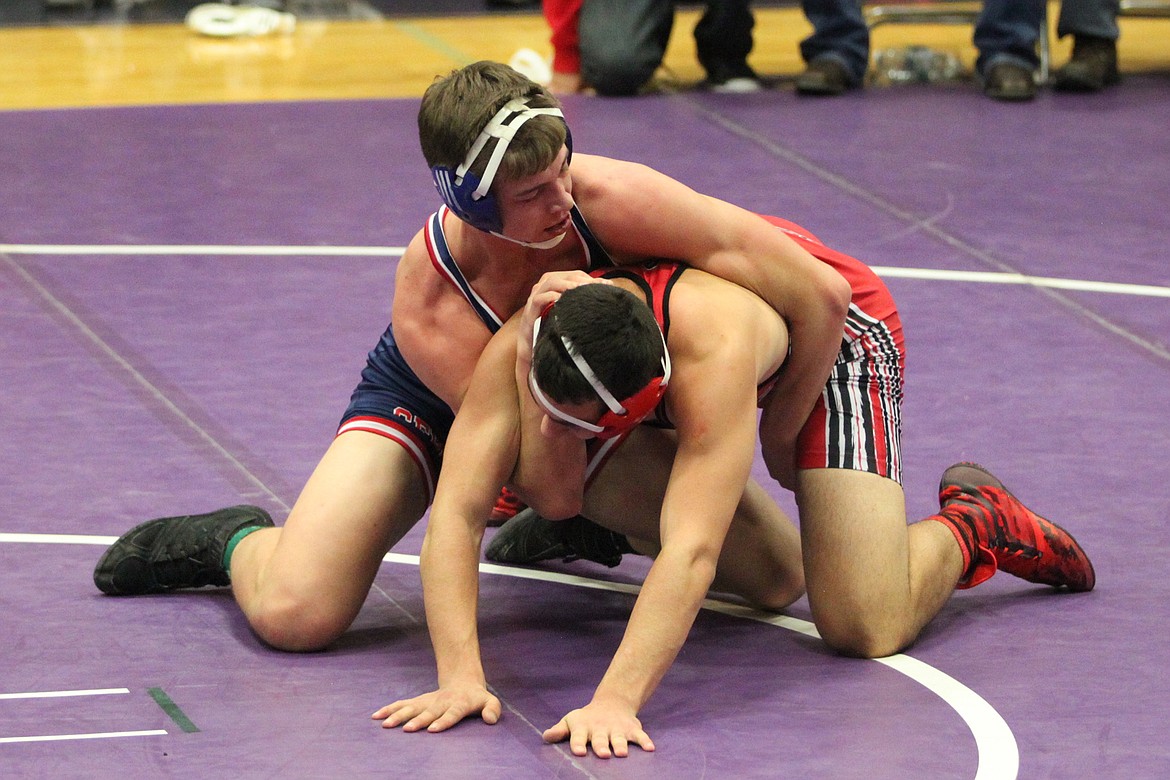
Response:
column 417, row 288
column 597, row 178
column 710, row 316
column 635, row 211
column 438, row 334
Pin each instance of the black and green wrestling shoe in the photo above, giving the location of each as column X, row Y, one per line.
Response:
column 529, row 538
column 171, row 553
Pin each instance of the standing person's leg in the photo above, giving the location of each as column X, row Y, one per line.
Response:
column 723, row 39
column 623, row 42
column 1097, row 18
column 1093, row 25
column 837, row 53
column 1006, row 33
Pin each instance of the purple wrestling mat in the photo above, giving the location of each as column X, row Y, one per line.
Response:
column 187, row 295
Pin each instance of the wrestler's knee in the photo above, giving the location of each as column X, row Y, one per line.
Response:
column 861, row 636
column 778, row 592
column 297, row 623
column 552, row 504
column 772, row 593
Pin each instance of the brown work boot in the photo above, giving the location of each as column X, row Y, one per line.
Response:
column 1092, row 68
column 824, row 76
column 1009, row 81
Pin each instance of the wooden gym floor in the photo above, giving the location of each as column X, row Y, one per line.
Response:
column 105, row 65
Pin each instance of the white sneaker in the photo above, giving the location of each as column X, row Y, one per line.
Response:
column 741, row 85
column 528, row 63
column 231, row 21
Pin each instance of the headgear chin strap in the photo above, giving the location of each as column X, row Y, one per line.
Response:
column 622, row 415
column 548, row 244
column 468, row 195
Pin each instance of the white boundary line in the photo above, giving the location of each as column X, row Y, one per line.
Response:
column 999, row 277
column 999, row 755
column 56, row 539
column 202, row 249
column 57, row 694
column 102, row 735
column 65, row 737
column 892, row 272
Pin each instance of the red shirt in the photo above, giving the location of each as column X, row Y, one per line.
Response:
column 562, row 19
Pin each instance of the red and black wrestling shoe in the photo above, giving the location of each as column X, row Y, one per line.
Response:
column 507, row 505
column 999, row 532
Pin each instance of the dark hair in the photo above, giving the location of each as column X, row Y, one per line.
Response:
column 612, row 328
column 457, row 107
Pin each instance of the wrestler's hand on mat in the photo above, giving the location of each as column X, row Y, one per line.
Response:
column 440, row 710
column 609, row 728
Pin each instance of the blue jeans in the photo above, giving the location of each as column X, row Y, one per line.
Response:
column 1006, row 30
column 1097, row 18
column 839, row 33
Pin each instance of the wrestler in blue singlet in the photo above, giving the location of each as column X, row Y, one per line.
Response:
column 390, row 400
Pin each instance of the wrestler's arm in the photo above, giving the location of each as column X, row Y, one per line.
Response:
column 550, row 472
column 712, row 401
column 638, row 213
column 480, row 453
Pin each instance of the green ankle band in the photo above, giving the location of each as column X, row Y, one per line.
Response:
column 231, row 545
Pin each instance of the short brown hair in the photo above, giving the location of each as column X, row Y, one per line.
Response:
column 456, row 108
column 612, row 329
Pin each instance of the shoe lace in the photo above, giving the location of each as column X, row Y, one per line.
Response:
column 186, row 558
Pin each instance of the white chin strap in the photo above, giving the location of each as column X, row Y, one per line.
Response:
column 549, row 244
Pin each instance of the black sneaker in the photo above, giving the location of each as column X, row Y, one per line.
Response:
column 174, row 552
column 1092, row 68
column 528, row 538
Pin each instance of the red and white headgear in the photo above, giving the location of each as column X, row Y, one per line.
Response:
column 621, row 416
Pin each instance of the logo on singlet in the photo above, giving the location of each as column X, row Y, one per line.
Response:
column 418, row 423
